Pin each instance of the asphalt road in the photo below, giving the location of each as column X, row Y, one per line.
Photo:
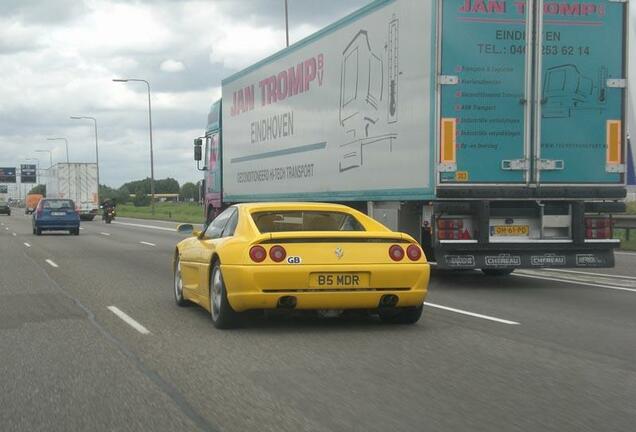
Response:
column 535, row 351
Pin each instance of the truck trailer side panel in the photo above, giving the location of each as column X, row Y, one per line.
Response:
column 342, row 115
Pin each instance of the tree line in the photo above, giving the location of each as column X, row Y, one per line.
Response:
column 140, row 191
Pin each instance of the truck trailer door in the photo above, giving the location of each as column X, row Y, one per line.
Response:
column 483, row 81
column 580, row 85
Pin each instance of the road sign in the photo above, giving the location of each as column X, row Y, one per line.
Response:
column 28, row 174
column 7, row 175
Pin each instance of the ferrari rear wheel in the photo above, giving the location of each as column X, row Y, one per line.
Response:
column 402, row 315
column 178, row 286
column 222, row 314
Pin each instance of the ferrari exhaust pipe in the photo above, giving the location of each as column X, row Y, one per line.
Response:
column 389, row 300
column 287, row 302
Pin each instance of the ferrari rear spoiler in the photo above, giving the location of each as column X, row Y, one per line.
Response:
column 332, row 237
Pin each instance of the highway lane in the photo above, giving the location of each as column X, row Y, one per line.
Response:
column 568, row 365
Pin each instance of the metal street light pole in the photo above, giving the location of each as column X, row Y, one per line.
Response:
column 152, row 164
column 96, row 147
column 286, row 24
column 50, row 156
column 66, row 141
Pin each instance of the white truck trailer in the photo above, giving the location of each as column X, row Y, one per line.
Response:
column 492, row 131
column 76, row 181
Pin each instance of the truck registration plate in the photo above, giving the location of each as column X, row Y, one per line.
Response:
column 338, row 280
column 511, row 230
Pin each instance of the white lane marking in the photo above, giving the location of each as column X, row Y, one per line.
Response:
column 476, row 315
column 27, row 244
column 51, row 263
column 625, row 253
column 103, row 233
column 591, row 274
column 147, row 243
column 13, row 234
column 574, row 282
column 81, row 228
column 128, row 320
column 7, row 228
column 146, row 226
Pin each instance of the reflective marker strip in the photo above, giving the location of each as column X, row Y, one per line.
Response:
column 448, row 140
column 51, row 263
column 614, row 142
column 128, row 320
column 147, row 243
column 27, row 244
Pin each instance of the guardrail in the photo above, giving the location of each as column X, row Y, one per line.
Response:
column 626, row 222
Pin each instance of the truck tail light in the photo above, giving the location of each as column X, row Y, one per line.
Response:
column 396, row 253
column 598, row 227
column 258, row 253
column 414, row 252
column 277, row 253
column 452, row 229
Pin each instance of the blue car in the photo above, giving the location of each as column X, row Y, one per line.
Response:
column 56, row 215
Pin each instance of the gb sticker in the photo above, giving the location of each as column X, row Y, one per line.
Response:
column 294, row 260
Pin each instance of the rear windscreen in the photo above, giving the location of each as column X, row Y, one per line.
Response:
column 286, row 221
column 58, row 204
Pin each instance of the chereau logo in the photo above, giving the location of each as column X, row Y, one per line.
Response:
column 460, row 260
column 503, row 260
column 547, row 260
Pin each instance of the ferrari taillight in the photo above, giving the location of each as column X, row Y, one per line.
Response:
column 258, row 253
column 277, row 253
column 396, row 253
column 414, row 252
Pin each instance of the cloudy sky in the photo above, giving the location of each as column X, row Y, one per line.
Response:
column 58, row 58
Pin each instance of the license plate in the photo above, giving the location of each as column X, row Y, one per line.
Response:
column 511, row 230
column 339, row 280
column 58, row 213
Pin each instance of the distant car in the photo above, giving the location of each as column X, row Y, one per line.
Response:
column 56, row 215
column 4, row 208
column 299, row 256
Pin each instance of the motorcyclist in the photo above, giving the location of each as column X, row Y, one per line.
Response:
column 108, row 207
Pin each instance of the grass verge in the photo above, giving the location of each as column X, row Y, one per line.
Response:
column 629, row 245
column 177, row 212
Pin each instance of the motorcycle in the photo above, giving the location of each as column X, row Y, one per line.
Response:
column 109, row 215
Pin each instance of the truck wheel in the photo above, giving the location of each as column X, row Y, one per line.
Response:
column 75, row 231
column 222, row 314
column 38, row 231
column 403, row 315
column 497, row 272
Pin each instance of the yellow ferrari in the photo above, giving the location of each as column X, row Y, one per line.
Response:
column 299, row 256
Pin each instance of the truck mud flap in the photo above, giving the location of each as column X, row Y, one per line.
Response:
column 525, row 259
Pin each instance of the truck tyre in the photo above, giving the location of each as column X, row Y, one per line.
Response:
column 221, row 313
column 38, row 231
column 75, row 231
column 403, row 315
column 497, row 272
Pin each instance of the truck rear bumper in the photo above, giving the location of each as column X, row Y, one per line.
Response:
column 525, row 255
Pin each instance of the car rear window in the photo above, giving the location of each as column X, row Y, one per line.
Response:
column 58, row 204
column 286, row 221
